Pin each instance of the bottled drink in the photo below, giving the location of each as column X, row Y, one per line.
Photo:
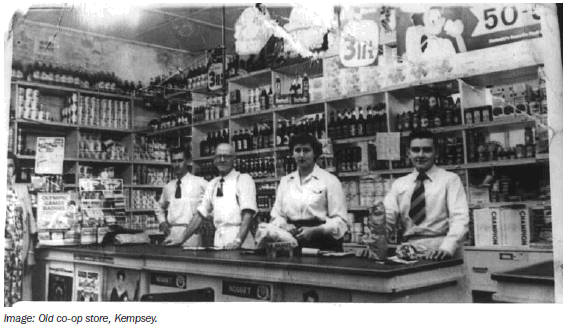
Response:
column 305, row 84
column 278, row 86
column 361, row 123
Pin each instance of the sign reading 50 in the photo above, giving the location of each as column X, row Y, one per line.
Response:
column 493, row 19
column 359, row 43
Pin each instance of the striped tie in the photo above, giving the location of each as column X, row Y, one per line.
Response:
column 417, row 210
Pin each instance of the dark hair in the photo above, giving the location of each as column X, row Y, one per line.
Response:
column 120, row 273
column 16, row 162
column 312, row 294
column 423, row 133
column 186, row 152
column 306, row 138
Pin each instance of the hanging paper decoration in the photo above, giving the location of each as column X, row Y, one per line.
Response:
column 252, row 31
column 308, row 25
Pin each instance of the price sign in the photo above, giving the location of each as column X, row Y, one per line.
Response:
column 215, row 76
column 499, row 18
column 359, row 43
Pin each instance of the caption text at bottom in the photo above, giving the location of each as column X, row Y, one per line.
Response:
column 24, row 319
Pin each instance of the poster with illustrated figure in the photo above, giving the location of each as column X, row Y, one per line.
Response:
column 88, row 285
column 60, row 280
column 122, row 285
column 439, row 32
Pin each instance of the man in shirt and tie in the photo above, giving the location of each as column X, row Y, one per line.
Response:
column 180, row 197
column 231, row 200
column 430, row 202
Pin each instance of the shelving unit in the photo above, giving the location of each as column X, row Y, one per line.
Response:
column 52, row 95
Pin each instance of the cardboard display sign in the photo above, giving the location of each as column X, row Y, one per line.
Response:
column 50, row 155
column 441, row 32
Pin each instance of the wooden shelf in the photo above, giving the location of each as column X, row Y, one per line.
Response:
column 528, row 203
column 144, row 186
column 253, row 79
column 140, row 210
column 152, row 163
column 259, row 151
column 44, row 123
column 105, row 129
column 104, row 161
column 514, row 122
column 270, row 111
column 267, row 180
column 170, row 130
column 506, row 248
column 354, row 139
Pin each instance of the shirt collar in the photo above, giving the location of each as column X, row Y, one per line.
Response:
column 315, row 173
column 232, row 174
column 431, row 173
column 185, row 178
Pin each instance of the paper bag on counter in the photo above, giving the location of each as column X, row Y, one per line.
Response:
column 267, row 233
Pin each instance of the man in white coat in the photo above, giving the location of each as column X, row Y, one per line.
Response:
column 231, row 201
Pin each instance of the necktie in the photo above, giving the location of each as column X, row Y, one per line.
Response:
column 220, row 188
column 417, row 209
column 178, row 193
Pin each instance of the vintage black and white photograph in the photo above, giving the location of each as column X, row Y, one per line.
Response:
column 288, row 152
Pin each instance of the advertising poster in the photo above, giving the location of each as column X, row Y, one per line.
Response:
column 88, row 285
column 54, row 210
column 122, row 285
column 443, row 31
column 50, row 155
column 60, row 282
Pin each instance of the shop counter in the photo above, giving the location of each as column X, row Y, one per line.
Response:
column 234, row 275
column 531, row 284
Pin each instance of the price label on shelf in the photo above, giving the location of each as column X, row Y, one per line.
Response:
column 215, row 76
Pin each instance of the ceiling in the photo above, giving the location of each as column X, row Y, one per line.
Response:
column 189, row 27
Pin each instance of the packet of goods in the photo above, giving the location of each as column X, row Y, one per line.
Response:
column 267, row 233
column 375, row 239
column 409, row 251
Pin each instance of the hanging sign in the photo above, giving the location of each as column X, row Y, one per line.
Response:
column 358, row 44
column 388, row 146
column 442, row 32
column 50, row 155
column 215, row 76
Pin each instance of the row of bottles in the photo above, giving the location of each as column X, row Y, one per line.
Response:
column 349, row 159
column 258, row 99
column 256, row 167
column 449, row 151
column 73, row 76
column 207, row 170
column 481, row 151
column 151, row 149
column 260, row 136
column 148, row 175
column 286, row 165
column 430, row 112
column 286, row 129
column 266, row 195
column 206, row 113
column 21, row 144
column 207, row 146
column 298, row 85
column 352, row 123
column 180, row 118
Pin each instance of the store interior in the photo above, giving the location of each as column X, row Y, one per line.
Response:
column 101, row 96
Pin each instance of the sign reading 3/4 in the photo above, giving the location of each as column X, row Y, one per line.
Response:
column 498, row 18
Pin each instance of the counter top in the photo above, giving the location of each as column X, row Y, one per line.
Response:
column 340, row 265
column 541, row 273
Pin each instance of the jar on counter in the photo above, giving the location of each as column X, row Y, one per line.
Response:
column 530, row 151
column 520, row 151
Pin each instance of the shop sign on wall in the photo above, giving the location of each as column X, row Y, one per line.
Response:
column 358, row 44
column 50, row 155
column 54, row 210
column 441, row 32
column 215, row 76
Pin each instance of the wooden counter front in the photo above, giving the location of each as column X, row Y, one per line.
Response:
column 362, row 278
